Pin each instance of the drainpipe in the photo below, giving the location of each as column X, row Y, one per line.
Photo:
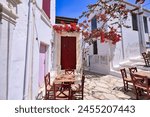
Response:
column 8, row 53
column 141, row 30
column 26, row 52
column 122, row 42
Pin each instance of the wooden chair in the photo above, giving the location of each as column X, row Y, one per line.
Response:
column 148, row 55
column 48, row 88
column 146, row 59
column 77, row 90
column 62, row 91
column 133, row 70
column 126, row 79
column 69, row 71
column 140, row 86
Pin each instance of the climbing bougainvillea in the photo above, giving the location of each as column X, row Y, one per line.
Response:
column 110, row 16
column 72, row 27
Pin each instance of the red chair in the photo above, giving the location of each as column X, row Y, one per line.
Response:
column 133, row 70
column 62, row 91
column 48, row 88
column 69, row 71
column 140, row 85
column 77, row 90
column 126, row 79
column 146, row 59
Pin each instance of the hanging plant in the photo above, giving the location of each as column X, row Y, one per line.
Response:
column 72, row 27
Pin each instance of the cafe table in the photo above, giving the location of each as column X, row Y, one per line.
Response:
column 63, row 78
column 144, row 74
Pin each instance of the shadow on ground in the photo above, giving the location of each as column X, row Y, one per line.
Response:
column 106, row 87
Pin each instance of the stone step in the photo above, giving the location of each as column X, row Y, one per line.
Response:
column 127, row 64
column 138, row 59
column 139, row 65
column 143, row 68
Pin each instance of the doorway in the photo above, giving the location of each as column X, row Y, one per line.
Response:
column 68, row 52
column 42, row 63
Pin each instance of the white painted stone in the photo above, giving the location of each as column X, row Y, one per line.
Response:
column 40, row 30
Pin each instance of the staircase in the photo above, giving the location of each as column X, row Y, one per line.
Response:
column 134, row 62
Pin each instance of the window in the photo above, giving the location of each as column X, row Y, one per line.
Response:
column 46, row 7
column 145, row 24
column 94, row 23
column 95, row 47
column 134, row 22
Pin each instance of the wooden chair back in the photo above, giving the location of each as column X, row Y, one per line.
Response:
column 48, row 86
column 78, row 92
column 146, row 59
column 144, row 55
column 82, row 86
column 133, row 69
column 62, row 91
column 123, row 73
column 125, row 78
column 47, row 79
column 69, row 71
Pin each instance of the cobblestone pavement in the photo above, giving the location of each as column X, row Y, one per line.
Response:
column 105, row 87
column 102, row 87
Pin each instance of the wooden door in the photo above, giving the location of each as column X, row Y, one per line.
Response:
column 42, row 66
column 68, row 52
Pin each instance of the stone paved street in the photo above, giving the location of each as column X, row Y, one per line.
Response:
column 105, row 87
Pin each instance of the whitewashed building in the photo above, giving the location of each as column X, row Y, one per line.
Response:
column 26, row 46
column 105, row 57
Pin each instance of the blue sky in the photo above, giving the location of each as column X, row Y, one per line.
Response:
column 74, row 8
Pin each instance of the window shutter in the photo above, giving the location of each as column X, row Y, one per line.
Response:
column 134, row 22
column 145, row 24
column 46, row 7
column 94, row 23
column 95, row 47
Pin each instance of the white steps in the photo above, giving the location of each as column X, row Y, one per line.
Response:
column 134, row 62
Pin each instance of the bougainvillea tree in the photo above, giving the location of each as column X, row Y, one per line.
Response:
column 72, row 27
column 111, row 15
column 113, row 11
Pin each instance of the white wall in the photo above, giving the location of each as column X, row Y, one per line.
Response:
column 3, row 59
column 40, row 31
column 100, row 63
column 18, row 53
column 127, row 48
column 43, row 36
column 147, row 35
column 131, row 43
column 7, row 22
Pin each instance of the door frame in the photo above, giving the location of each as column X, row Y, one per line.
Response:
column 57, row 46
column 46, row 58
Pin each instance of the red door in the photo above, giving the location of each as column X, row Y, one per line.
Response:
column 42, row 60
column 68, row 52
